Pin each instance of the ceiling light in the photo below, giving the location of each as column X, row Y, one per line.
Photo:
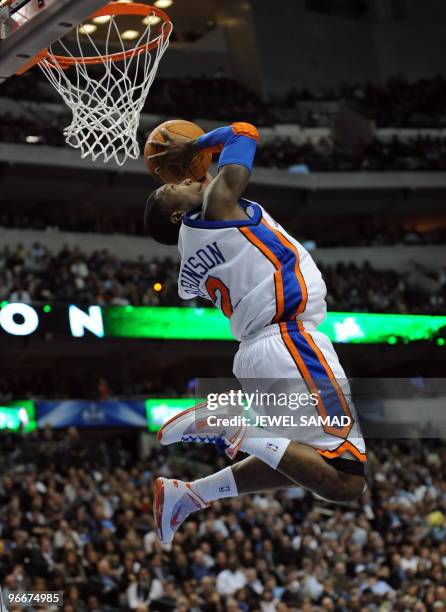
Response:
column 151, row 19
column 162, row 4
column 130, row 35
column 102, row 19
column 87, row 28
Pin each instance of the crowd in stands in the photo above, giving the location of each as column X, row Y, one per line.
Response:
column 89, row 383
column 399, row 103
column 414, row 154
column 366, row 233
column 34, row 131
column 419, row 153
column 324, row 155
column 76, row 516
column 362, row 231
column 71, row 276
column 396, row 103
column 362, row 288
column 216, row 98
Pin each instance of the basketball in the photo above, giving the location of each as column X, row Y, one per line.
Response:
column 171, row 172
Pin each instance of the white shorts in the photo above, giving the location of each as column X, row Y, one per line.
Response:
column 294, row 357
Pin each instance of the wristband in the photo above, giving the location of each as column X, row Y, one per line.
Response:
column 237, row 144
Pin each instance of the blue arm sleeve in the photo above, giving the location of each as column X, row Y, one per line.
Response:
column 237, row 144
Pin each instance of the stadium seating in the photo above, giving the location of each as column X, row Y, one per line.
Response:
column 36, row 275
column 91, row 533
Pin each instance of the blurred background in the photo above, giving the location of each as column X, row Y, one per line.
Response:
column 350, row 100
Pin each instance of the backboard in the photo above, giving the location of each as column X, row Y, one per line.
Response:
column 28, row 26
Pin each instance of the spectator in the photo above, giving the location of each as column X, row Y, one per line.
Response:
column 144, row 589
column 409, row 562
column 43, row 562
column 72, row 568
column 230, row 579
column 267, row 601
column 65, row 536
column 106, row 584
column 19, row 294
column 201, row 566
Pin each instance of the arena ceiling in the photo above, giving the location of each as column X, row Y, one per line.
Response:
column 191, row 20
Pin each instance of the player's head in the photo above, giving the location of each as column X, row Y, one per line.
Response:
column 166, row 207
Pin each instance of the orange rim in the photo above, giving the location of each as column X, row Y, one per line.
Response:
column 113, row 9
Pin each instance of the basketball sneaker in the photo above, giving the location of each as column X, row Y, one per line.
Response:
column 174, row 500
column 194, row 425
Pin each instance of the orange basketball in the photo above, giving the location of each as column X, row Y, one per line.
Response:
column 175, row 173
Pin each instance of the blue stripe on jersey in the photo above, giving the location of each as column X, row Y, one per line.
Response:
column 328, row 392
column 292, row 293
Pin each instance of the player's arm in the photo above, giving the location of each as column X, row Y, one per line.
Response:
column 237, row 145
column 223, row 192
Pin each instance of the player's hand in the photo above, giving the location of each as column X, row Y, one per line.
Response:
column 178, row 149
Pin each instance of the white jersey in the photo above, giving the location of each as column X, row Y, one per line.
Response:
column 269, row 287
column 253, row 270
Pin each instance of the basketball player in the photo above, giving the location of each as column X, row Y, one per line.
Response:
column 266, row 283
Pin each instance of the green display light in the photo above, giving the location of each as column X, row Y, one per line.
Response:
column 4, row 303
column 166, row 323
column 160, row 410
column 176, row 323
column 170, row 323
column 19, row 415
column 441, row 341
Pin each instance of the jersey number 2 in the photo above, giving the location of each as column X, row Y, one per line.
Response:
column 214, row 285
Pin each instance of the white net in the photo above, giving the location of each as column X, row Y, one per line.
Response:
column 106, row 98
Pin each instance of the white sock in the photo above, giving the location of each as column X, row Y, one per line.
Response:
column 216, row 486
column 265, row 445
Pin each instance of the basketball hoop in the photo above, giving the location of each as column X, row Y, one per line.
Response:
column 106, row 90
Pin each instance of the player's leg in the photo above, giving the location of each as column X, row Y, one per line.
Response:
column 247, row 476
column 299, row 464
column 293, row 354
column 275, row 460
column 302, row 465
column 339, row 481
column 251, row 475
